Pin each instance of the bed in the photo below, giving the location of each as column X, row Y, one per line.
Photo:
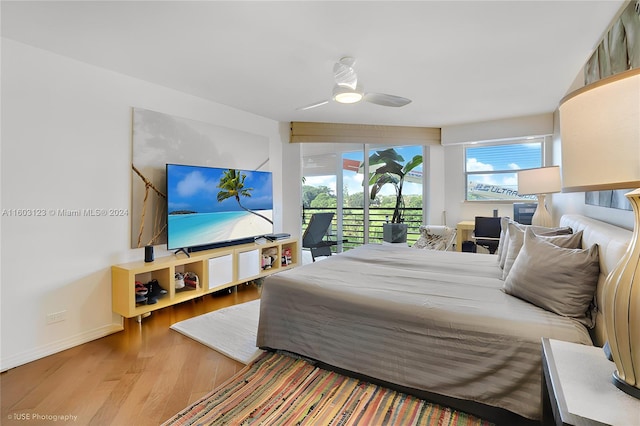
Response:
column 434, row 321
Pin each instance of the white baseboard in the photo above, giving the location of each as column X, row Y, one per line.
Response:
column 58, row 346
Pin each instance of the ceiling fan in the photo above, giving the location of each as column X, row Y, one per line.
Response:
column 349, row 90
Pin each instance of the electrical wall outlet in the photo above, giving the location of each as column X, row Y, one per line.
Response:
column 56, row 317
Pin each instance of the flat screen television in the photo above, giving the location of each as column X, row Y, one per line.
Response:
column 210, row 207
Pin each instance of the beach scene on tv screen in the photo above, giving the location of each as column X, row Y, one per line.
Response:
column 211, row 205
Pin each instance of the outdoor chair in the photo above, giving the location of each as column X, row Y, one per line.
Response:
column 314, row 236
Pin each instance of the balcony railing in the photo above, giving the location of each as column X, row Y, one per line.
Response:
column 353, row 223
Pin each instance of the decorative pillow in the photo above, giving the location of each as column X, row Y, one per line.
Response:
column 434, row 237
column 559, row 236
column 504, row 238
column 557, row 279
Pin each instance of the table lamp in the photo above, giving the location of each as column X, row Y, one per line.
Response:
column 539, row 182
column 600, row 137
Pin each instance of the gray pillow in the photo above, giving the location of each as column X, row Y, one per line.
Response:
column 557, row 279
column 542, row 231
column 503, row 246
column 559, row 236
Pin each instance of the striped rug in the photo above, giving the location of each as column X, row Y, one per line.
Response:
column 280, row 390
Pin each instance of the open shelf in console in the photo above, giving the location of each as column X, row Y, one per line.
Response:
column 216, row 269
column 289, row 254
column 188, row 290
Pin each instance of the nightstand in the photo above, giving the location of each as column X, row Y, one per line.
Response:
column 577, row 387
column 463, row 230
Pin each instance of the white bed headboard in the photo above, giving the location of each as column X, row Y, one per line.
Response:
column 612, row 243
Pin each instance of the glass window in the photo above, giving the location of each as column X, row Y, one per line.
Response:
column 491, row 170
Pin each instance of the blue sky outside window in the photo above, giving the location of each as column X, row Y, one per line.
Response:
column 492, row 170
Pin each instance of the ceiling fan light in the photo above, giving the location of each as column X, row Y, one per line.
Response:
column 346, row 95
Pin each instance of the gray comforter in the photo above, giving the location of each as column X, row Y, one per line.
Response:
column 430, row 320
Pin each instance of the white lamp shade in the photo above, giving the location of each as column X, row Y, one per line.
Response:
column 600, row 135
column 544, row 180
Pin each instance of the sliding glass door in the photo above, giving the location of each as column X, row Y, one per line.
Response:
column 336, row 179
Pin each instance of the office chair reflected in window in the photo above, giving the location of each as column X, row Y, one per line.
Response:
column 487, row 232
column 314, row 236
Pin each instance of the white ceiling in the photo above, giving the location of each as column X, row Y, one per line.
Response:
column 459, row 61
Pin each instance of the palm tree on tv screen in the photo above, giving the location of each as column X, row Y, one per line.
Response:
column 232, row 185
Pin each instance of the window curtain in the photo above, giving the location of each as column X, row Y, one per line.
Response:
column 305, row 132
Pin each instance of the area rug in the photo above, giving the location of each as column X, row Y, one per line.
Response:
column 277, row 389
column 231, row 331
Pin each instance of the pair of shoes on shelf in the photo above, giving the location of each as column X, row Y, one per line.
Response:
column 186, row 281
column 191, row 280
column 141, row 289
column 179, row 279
column 155, row 291
column 141, row 292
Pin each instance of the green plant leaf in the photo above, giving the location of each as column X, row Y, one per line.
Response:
column 415, row 162
column 380, row 181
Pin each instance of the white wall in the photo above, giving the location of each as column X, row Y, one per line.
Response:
column 434, row 193
column 66, row 144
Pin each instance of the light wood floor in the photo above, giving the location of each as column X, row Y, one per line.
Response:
column 140, row 376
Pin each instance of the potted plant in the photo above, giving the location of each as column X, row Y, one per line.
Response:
column 392, row 171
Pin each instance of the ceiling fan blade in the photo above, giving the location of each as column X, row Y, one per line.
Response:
column 313, row 105
column 386, row 100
